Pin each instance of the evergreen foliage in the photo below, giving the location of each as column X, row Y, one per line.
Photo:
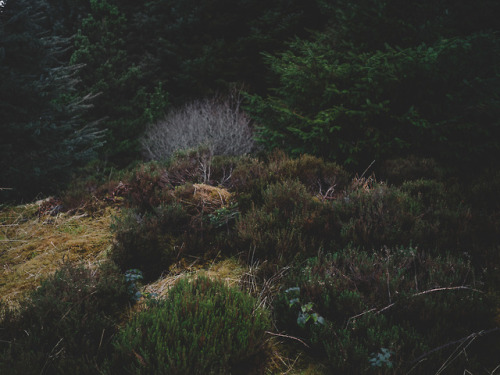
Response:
column 388, row 79
column 202, row 327
column 43, row 136
column 111, row 75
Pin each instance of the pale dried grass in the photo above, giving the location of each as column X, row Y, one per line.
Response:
column 33, row 247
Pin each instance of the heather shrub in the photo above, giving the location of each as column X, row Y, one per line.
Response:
column 249, row 178
column 397, row 171
column 202, row 327
column 323, row 179
column 290, row 223
column 446, row 220
column 195, row 218
column 400, row 300
column 376, row 215
column 66, row 325
column 318, row 176
column 148, row 186
column 217, row 123
column 150, row 241
column 422, row 212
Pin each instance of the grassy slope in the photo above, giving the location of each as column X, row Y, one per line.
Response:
column 33, row 246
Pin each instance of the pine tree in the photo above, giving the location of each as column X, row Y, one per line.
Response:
column 387, row 79
column 43, row 137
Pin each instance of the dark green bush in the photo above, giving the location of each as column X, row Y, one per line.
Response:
column 202, row 327
column 150, row 241
column 65, row 326
column 401, row 300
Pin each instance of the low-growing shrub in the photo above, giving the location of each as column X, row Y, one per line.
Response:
column 318, row 176
column 422, row 212
column 148, row 186
column 202, row 327
column 198, row 219
column 66, row 325
column 251, row 176
column 191, row 166
column 377, row 216
column 289, row 224
column 402, row 300
column 150, row 241
column 397, row 171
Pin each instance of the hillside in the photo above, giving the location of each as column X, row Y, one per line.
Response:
column 342, row 273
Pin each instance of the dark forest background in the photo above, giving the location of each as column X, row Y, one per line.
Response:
column 349, row 81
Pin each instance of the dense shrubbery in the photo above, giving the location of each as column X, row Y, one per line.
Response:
column 408, row 280
column 397, row 285
column 66, row 325
column 202, row 327
column 372, row 215
column 351, row 304
column 152, row 241
column 288, row 225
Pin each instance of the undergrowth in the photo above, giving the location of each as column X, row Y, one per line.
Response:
column 366, row 274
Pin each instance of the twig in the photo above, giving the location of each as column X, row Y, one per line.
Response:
column 495, row 370
column 366, row 170
column 287, row 337
column 460, row 341
column 432, row 291
column 413, row 295
column 357, row 316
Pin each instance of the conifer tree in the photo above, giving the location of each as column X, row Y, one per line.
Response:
column 388, row 79
column 42, row 136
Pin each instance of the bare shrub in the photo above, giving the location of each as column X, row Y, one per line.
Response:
column 217, row 123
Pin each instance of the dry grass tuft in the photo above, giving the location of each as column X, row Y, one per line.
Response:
column 32, row 246
column 228, row 270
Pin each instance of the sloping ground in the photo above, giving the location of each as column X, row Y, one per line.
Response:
column 33, row 246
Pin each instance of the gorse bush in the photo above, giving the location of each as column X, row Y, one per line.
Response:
column 218, row 123
column 400, row 299
column 66, row 325
column 202, row 327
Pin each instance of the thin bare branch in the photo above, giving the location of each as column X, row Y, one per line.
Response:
column 287, row 337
